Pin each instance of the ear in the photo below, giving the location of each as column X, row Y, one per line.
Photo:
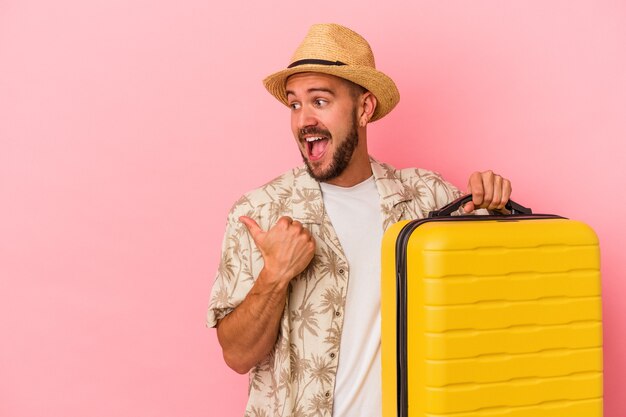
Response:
column 368, row 105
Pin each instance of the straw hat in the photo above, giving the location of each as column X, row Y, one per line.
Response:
column 336, row 50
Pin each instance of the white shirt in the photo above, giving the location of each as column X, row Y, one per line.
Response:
column 356, row 216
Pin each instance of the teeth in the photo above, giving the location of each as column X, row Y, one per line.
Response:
column 313, row 139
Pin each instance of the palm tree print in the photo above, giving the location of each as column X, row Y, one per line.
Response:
column 297, row 378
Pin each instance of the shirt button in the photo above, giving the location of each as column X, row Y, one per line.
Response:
column 327, row 394
column 332, row 355
column 337, row 313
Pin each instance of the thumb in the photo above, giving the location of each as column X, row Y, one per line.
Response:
column 253, row 227
column 469, row 207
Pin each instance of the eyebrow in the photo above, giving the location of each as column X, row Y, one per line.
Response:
column 313, row 90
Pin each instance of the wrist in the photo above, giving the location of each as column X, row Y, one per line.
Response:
column 272, row 281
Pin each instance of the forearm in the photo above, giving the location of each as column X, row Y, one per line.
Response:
column 249, row 332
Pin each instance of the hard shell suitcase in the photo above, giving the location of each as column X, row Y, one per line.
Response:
column 491, row 316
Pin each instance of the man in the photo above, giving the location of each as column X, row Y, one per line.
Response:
column 296, row 300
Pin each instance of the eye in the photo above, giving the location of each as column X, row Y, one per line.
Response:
column 320, row 102
column 294, row 105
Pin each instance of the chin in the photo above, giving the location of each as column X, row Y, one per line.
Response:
column 321, row 174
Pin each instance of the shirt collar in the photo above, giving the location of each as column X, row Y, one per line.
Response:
column 308, row 207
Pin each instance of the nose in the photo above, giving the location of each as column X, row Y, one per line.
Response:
column 305, row 118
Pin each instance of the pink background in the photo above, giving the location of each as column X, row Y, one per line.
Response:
column 128, row 128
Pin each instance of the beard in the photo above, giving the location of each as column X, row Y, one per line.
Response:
column 341, row 157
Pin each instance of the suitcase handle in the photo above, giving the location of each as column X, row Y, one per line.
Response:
column 447, row 210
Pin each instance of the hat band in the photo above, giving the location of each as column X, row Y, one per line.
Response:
column 315, row 61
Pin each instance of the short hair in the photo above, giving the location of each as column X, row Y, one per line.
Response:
column 355, row 89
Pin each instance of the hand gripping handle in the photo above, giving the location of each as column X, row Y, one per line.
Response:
column 447, row 210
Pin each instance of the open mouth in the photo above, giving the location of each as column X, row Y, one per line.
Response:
column 316, row 147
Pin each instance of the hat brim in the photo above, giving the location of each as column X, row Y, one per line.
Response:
column 379, row 84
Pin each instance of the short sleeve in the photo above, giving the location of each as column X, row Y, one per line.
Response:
column 235, row 273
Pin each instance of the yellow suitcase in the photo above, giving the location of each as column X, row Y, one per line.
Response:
column 491, row 316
